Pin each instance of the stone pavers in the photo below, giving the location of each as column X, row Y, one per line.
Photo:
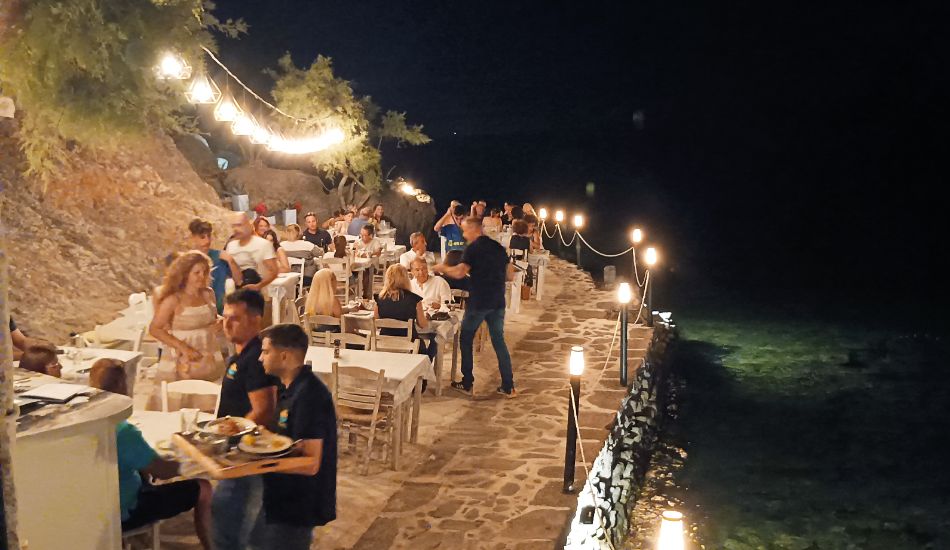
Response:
column 487, row 472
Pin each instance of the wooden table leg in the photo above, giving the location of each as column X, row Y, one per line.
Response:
column 416, row 408
column 439, row 365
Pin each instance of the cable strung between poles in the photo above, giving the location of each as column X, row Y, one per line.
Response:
column 562, row 236
column 545, row 230
column 595, row 251
column 238, row 80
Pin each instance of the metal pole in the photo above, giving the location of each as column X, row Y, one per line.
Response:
column 623, row 345
column 577, row 246
column 650, row 298
column 570, row 454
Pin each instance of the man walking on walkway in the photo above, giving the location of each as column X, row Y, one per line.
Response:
column 486, row 262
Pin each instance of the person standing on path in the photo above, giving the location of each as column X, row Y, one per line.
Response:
column 486, row 262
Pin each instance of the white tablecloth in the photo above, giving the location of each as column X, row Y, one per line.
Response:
column 158, row 427
column 444, row 330
column 78, row 370
column 402, row 369
column 282, row 290
column 127, row 328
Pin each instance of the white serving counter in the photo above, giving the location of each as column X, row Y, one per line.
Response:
column 66, row 473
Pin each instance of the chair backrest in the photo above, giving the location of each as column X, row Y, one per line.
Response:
column 298, row 265
column 396, row 344
column 357, row 388
column 517, row 253
column 191, row 388
column 442, row 241
column 319, row 338
column 459, row 296
column 348, row 339
column 396, row 324
column 340, row 266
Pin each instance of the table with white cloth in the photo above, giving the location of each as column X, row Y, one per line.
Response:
column 443, row 332
column 157, row 427
column 127, row 329
column 283, row 291
column 77, row 363
column 404, row 375
column 359, row 266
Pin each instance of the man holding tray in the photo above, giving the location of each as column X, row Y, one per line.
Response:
column 245, row 391
column 298, row 500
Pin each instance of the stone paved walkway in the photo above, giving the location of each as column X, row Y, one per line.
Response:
column 487, row 471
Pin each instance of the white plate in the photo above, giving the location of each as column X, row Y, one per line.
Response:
column 243, row 423
column 263, row 445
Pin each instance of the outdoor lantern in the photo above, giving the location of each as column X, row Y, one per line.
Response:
column 422, row 197
column 578, row 221
column 636, row 235
column 202, row 90
column 276, row 143
column 243, row 125
column 624, row 294
column 671, row 532
column 260, row 135
column 226, row 110
column 172, row 67
column 543, row 214
column 576, row 364
column 559, row 216
column 407, row 188
column 650, row 256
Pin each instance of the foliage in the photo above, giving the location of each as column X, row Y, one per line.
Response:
column 324, row 101
column 81, row 71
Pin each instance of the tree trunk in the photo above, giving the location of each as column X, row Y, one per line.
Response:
column 9, row 517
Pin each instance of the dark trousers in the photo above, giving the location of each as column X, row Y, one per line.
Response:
column 496, row 329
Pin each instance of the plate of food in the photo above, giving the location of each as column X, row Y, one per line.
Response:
column 231, row 426
column 265, row 444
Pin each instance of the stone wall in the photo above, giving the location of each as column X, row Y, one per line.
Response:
column 617, row 474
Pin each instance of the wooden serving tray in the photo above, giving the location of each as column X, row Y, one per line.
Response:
column 238, row 464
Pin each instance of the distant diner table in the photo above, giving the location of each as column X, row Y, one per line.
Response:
column 444, row 331
column 77, row 363
column 283, row 287
column 404, row 375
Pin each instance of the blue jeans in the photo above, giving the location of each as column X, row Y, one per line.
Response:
column 280, row 536
column 235, row 507
column 496, row 329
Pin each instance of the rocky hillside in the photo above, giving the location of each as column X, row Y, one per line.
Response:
column 80, row 244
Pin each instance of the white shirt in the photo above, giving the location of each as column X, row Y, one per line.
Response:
column 435, row 289
column 406, row 258
column 253, row 254
column 368, row 249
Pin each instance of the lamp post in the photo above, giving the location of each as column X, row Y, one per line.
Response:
column 576, row 366
column 624, row 295
column 578, row 224
column 558, row 218
column 672, row 535
column 543, row 215
column 650, row 258
column 636, row 237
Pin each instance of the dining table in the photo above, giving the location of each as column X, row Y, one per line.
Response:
column 444, row 331
column 281, row 289
column 157, row 427
column 77, row 363
column 403, row 380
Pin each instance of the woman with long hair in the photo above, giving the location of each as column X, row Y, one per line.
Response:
column 261, row 226
column 283, row 264
column 321, row 299
column 186, row 321
column 396, row 300
column 339, row 247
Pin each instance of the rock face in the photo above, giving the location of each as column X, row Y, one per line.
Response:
column 276, row 187
column 81, row 243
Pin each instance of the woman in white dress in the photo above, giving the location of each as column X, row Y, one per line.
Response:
column 186, row 321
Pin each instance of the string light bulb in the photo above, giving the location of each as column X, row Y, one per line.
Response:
column 672, row 536
column 576, row 364
column 559, row 216
column 578, row 221
column 172, row 66
column 543, row 214
column 650, row 257
column 226, row 110
column 202, row 90
column 636, row 235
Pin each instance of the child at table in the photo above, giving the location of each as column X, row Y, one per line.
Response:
column 42, row 358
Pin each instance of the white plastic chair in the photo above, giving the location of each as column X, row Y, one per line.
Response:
column 150, row 530
column 191, row 387
column 342, row 269
column 297, row 263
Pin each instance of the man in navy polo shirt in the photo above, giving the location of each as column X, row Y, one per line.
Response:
column 298, row 500
column 245, row 391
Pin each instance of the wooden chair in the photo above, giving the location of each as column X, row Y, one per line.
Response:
column 149, row 531
column 349, row 340
column 395, row 344
column 342, row 268
column 192, row 387
column 297, row 265
column 321, row 338
column 357, row 393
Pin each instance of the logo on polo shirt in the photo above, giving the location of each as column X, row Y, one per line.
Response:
column 232, row 371
column 282, row 418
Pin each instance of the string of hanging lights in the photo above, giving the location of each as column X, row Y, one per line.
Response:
column 201, row 89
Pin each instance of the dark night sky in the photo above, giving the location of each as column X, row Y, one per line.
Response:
column 805, row 128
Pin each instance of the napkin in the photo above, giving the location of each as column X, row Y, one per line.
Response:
column 56, row 392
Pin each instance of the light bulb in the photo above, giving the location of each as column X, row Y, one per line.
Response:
column 260, row 135
column 576, row 365
column 650, row 257
column 624, row 294
column 226, row 110
column 671, row 532
column 243, row 125
column 543, row 213
column 172, row 66
column 578, row 221
column 636, row 235
column 559, row 216
column 202, row 90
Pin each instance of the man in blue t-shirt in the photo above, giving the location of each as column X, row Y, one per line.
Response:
column 485, row 262
column 142, row 503
column 223, row 265
column 450, row 227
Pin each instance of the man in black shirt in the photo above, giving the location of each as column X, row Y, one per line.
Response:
column 247, row 391
column 298, row 500
column 313, row 233
column 486, row 263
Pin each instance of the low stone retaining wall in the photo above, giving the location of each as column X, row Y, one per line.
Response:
column 617, row 474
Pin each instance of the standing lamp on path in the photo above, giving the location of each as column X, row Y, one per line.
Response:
column 570, row 455
column 672, row 535
column 578, row 224
column 636, row 237
column 624, row 295
column 650, row 258
column 542, row 215
column 558, row 218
